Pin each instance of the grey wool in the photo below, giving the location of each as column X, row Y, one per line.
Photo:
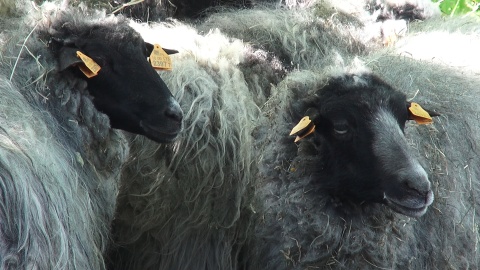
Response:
column 60, row 160
column 235, row 191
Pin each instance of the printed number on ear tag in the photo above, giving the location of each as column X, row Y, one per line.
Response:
column 304, row 128
column 159, row 59
column 418, row 114
column 89, row 67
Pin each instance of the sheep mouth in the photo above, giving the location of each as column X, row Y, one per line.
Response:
column 412, row 207
column 161, row 135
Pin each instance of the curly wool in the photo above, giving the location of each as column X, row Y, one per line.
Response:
column 187, row 206
column 60, row 161
column 295, row 227
column 180, row 203
column 180, row 206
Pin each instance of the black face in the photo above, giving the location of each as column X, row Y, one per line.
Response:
column 362, row 151
column 128, row 89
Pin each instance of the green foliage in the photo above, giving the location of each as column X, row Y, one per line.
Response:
column 459, row 7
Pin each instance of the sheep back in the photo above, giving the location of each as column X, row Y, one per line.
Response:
column 181, row 203
column 60, row 160
column 296, row 228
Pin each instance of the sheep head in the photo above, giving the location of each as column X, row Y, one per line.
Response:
column 361, row 153
column 124, row 85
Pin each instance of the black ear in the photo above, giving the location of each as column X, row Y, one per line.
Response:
column 150, row 47
column 313, row 113
column 430, row 112
column 66, row 50
column 67, row 57
column 305, row 126
column 170, row 51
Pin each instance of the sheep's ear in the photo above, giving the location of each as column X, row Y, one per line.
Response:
column 170, row 51
column 305, row 127
column 419, row 114
column 150, row 48
column 69, row 56
column 432, row 113
column 158, row 57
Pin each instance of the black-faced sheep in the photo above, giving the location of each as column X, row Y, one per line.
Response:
column 179, row 203
column 60, row 159
column 185, row 206
column 303, row 223
column 319, row 205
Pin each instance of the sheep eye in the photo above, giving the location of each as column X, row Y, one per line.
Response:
column 341, row 131
column 340, row 128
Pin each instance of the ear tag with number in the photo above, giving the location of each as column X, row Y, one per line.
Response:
column 159, row 59
column 304, row 128
column 89, row 67
column 418, row 114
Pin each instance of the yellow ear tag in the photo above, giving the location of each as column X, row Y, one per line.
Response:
column 418, row 114
column 159, row 59
column 304, row 128
column 309, row 131
column 89, row 67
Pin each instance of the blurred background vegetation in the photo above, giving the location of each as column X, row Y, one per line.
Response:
column 459, row 7
column 448, row 7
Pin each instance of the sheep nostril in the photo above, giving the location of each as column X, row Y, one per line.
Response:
column 174, row 112
column 419, row 185
column 415, row 179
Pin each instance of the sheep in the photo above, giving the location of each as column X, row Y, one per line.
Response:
column 192, row 10
column 306, row 219
column 155, row 10
column 179, row 203
column 333, row 26
column 61, row 148
column 213, row 200
column 302, row 225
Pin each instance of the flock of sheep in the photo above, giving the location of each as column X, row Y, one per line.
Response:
column 112, row 165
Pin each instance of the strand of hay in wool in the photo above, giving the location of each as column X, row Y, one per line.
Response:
column 131, row 3
column 21, row 50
